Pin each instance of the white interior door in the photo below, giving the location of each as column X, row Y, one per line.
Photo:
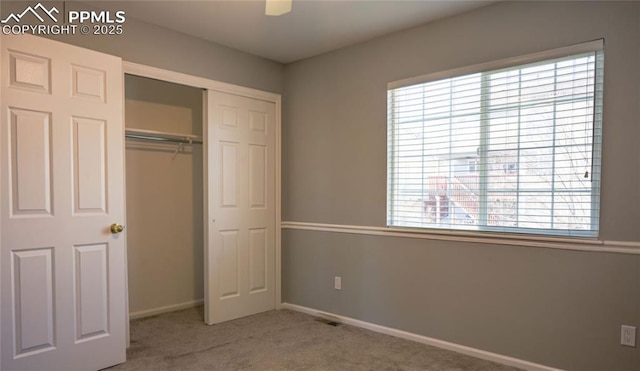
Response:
column 61, row 179
column 240, row 255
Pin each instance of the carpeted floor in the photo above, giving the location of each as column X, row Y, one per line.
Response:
column 278, row 340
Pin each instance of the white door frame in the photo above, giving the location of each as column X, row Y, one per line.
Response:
column 204, row 83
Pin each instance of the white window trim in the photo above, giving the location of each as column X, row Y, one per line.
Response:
column 502, row 63
column 515, row 235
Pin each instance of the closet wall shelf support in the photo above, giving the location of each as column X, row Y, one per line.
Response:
column 160, row 136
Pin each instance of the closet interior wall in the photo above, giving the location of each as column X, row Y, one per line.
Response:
column 164, row 198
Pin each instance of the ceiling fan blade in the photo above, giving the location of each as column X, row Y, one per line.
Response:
column 277, row 7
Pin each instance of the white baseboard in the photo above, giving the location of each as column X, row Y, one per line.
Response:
column 489, row 356
column 165, row 309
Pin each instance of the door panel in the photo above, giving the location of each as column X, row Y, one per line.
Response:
column 89, row 159
column 33, row 305
column 62, row 274
column 258, row 250
column 29, row 72
column 241, row 230
column 91, row 295
column 30, row 138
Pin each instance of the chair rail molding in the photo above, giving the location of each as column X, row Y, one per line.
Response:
column 566, row 243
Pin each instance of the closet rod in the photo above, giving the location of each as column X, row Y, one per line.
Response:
column 159, row 136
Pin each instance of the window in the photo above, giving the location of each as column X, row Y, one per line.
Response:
column 504, row 148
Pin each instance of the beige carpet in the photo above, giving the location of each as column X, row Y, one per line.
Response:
column 278, row 340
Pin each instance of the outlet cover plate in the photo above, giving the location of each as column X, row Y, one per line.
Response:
column 628, row 336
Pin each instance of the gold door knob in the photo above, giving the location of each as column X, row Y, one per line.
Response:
column 116, row 228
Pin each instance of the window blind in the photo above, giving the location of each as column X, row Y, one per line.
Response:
column 515, row 149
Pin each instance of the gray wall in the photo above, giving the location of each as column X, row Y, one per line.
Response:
column 555, row 307
column 165, row 245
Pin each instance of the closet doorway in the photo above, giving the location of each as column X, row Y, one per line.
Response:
column 164, row 195
column 240, row 188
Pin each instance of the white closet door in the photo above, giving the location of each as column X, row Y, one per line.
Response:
column 240, row 256
column 61, row 187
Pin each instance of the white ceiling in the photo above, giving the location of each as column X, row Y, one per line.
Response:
column 313, row 26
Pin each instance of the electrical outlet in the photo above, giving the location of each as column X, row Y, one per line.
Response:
column 628, row 336
column 337, row 283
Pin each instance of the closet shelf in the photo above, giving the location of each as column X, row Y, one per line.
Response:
column 160, row 136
